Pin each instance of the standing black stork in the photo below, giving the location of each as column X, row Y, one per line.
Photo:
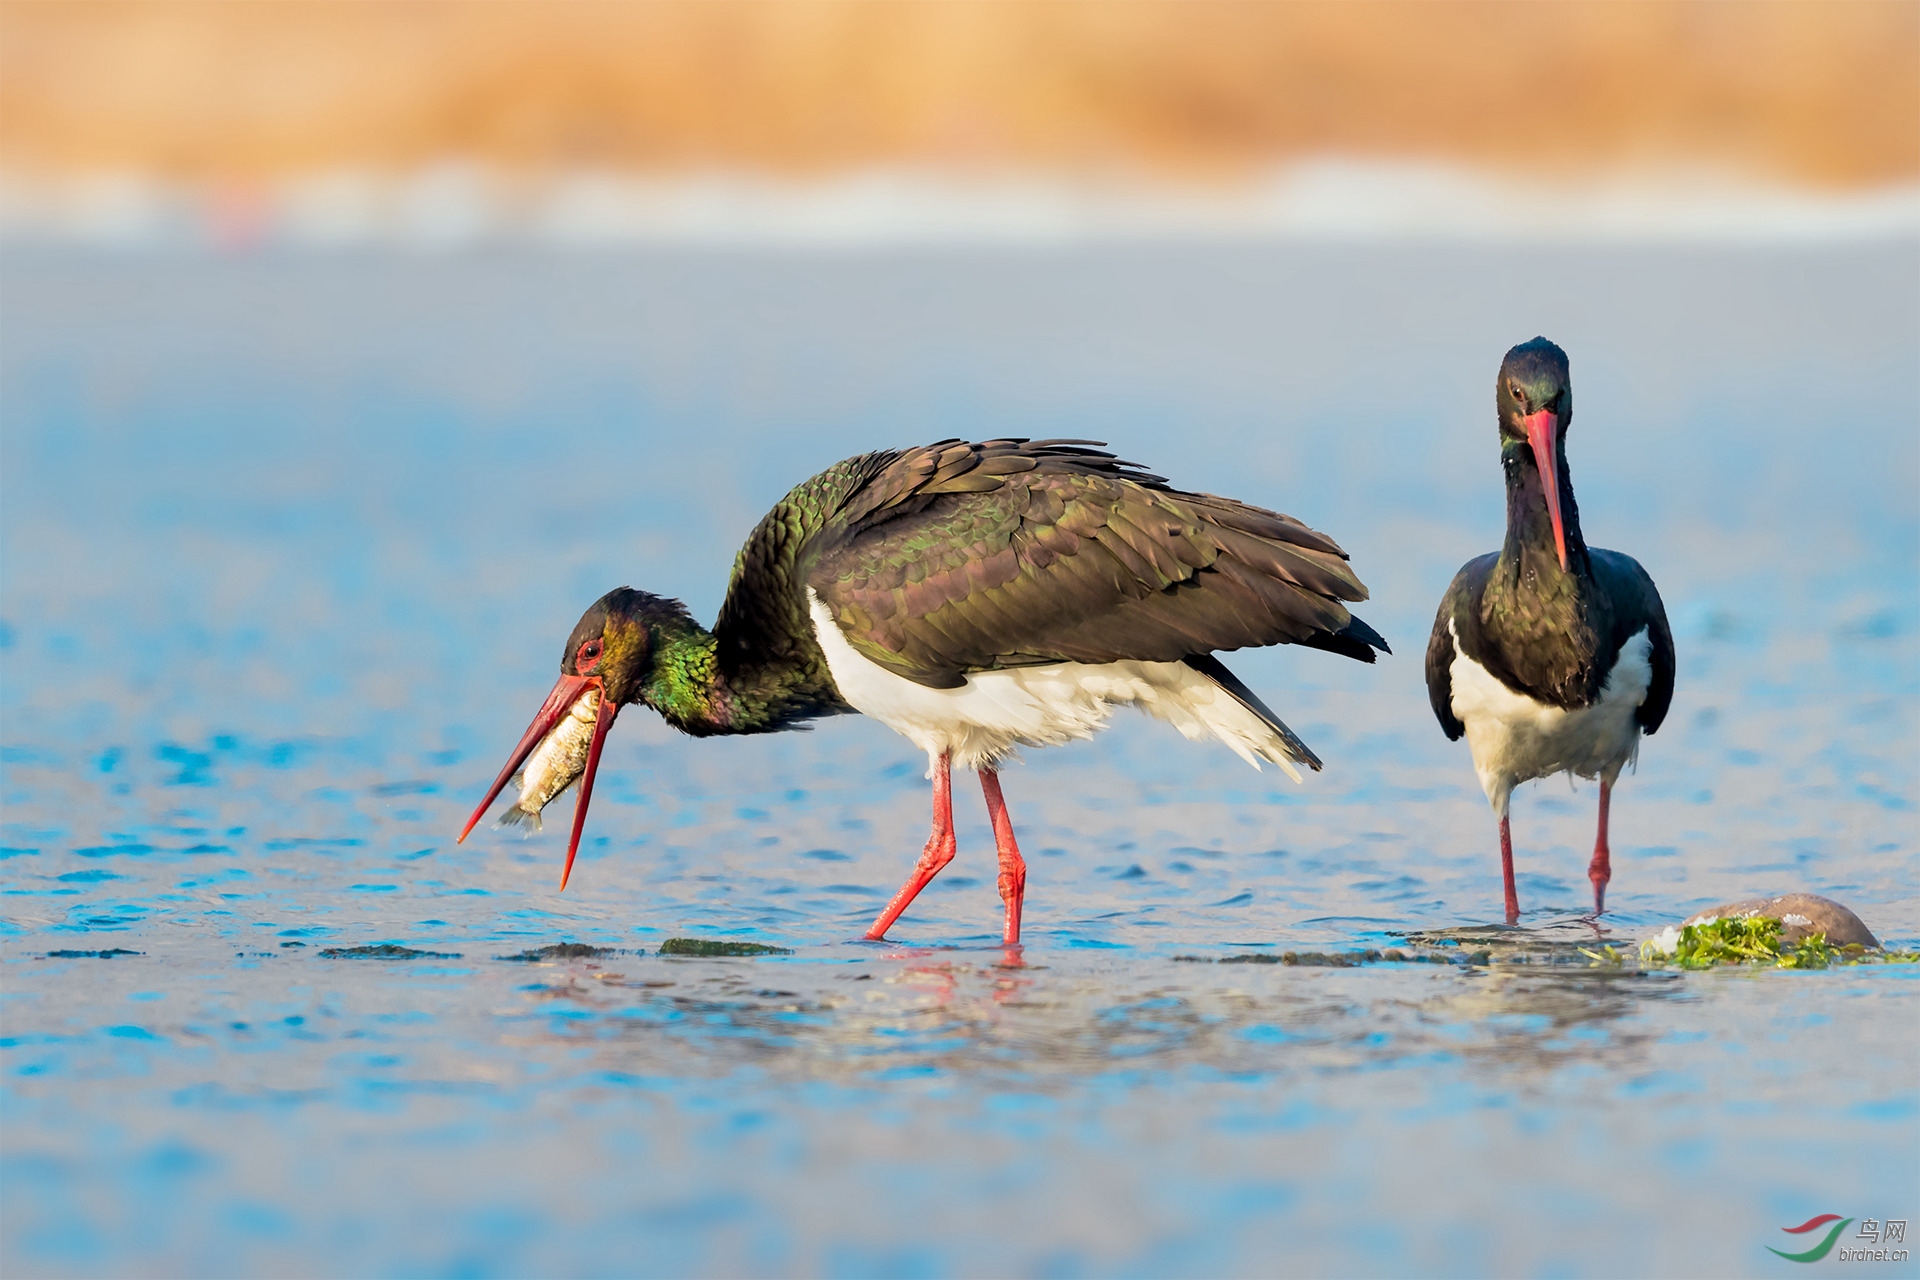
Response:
column 1550, row 655
column 975, row 598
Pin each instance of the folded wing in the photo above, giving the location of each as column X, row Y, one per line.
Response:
column 961, row 557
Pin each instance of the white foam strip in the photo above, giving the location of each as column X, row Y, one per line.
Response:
column 454, row 206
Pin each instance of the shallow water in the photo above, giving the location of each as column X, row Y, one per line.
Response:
column 290, row 549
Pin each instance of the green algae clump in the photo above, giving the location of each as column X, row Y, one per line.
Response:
column 707, row 947
column 560, row 951
column 385, row 951
column 1756, row 940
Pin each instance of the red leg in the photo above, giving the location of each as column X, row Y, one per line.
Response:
column 1506, row 870
column 937, row 854
column 1600, row 870
column 1013, row 868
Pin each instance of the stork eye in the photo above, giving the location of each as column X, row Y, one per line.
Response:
column 587, row 658
column 1515, row 388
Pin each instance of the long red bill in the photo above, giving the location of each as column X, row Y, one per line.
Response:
column 601, row 723
column 1543, row 435
column 558, row 703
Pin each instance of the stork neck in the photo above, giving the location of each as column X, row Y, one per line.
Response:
column 1529, row 541
column 685, row 685
column 696, row 690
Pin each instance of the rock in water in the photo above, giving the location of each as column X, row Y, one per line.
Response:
column 1799, row 914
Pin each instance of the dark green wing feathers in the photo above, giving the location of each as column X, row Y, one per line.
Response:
column 1638, row 605
column 1462, row 600
column 959, row 557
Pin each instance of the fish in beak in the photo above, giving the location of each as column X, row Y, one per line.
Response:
column 560, row 747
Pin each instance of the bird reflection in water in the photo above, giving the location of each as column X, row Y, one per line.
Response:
column 1070, row 1019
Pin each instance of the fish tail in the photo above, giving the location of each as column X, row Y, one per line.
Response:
column 515, row 816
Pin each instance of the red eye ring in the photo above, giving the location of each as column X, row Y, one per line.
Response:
column 587, row 658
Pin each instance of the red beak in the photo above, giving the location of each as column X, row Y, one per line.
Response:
column 565, row 693
column 1543, row 435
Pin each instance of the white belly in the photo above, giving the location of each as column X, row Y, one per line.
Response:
column 1515, row 739
column 994, row 712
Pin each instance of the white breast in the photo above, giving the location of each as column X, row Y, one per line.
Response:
column 994, row 712
column 1515, row 739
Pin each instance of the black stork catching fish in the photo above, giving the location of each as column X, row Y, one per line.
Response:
column 974, row 598
column 1550, row 655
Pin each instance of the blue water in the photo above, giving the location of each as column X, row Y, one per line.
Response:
column 289, row 549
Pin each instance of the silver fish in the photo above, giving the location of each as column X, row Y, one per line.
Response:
column 556, row 763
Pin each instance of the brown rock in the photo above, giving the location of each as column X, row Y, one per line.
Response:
column 1799, row 914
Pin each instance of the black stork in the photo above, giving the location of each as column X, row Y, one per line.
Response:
column 974, row 598
column 1550, row 655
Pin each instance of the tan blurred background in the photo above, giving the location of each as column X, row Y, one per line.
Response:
column 1816, row 93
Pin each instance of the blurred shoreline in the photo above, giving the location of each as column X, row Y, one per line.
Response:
column 1816, row 94
column 457, row 205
